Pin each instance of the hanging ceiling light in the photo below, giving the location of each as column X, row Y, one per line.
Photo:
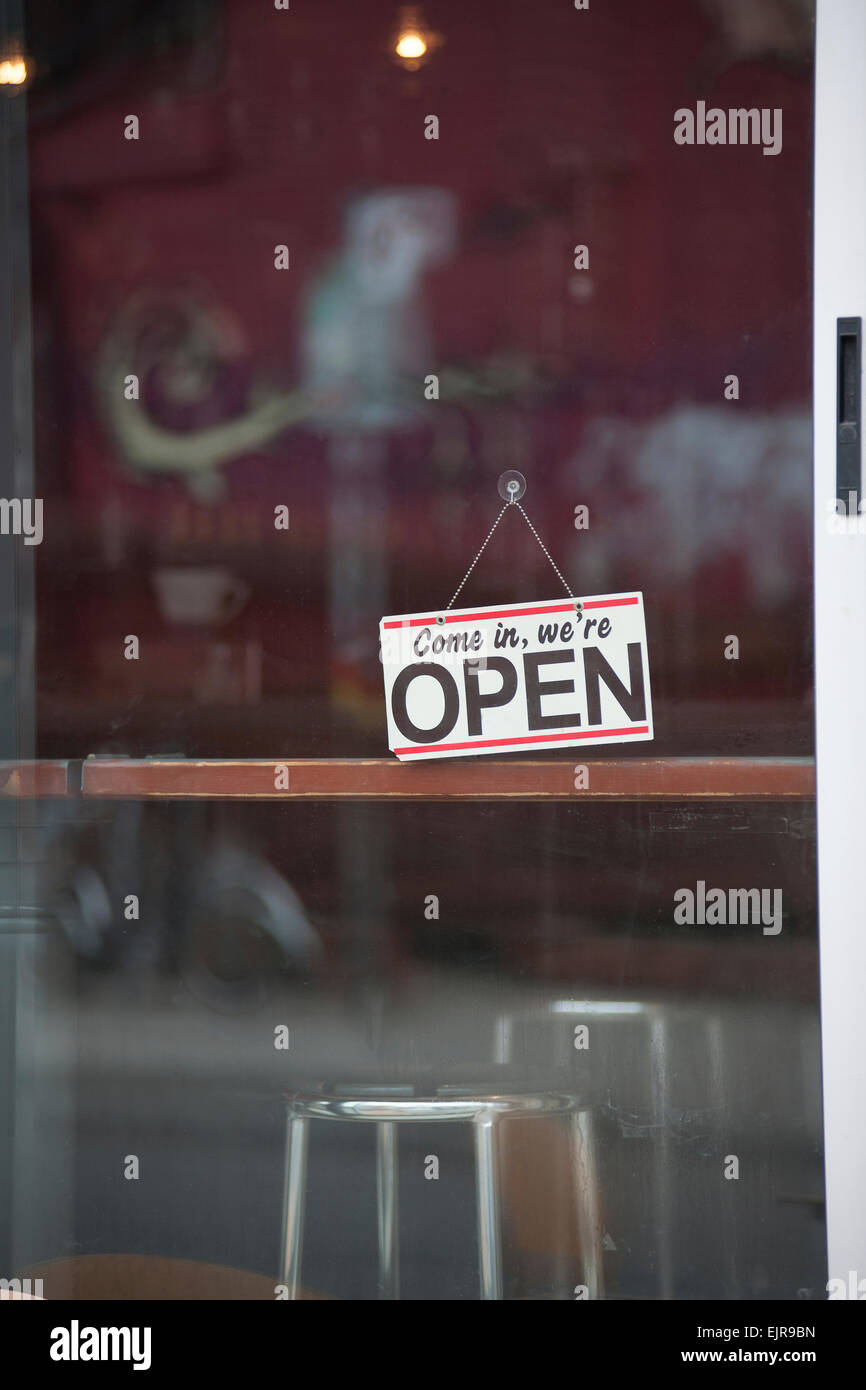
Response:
column 413, row 41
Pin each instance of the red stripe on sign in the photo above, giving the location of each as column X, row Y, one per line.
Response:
column 512, row 612
column 531, row 738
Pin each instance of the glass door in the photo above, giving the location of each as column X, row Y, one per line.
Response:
column 289, row 290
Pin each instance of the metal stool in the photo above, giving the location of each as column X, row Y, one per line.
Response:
column 386, row 1107
column 657, row 1018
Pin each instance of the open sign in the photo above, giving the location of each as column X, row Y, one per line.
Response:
column 551, row 674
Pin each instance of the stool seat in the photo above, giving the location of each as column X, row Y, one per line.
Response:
column 448, row 1103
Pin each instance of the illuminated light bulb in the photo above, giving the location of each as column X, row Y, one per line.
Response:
column 410, row 46
column 413, row 42
column 13, row 72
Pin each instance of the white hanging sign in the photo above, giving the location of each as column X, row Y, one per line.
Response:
column 557, row 673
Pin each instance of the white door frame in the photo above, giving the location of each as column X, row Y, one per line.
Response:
column 840, row 632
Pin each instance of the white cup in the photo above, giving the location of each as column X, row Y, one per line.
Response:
column 199, row 596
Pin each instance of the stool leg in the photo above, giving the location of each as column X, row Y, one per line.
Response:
column 389, row 1228
column 659, row 1051
column 587, row 1193
column 487, row 1187
column 293, row 1202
